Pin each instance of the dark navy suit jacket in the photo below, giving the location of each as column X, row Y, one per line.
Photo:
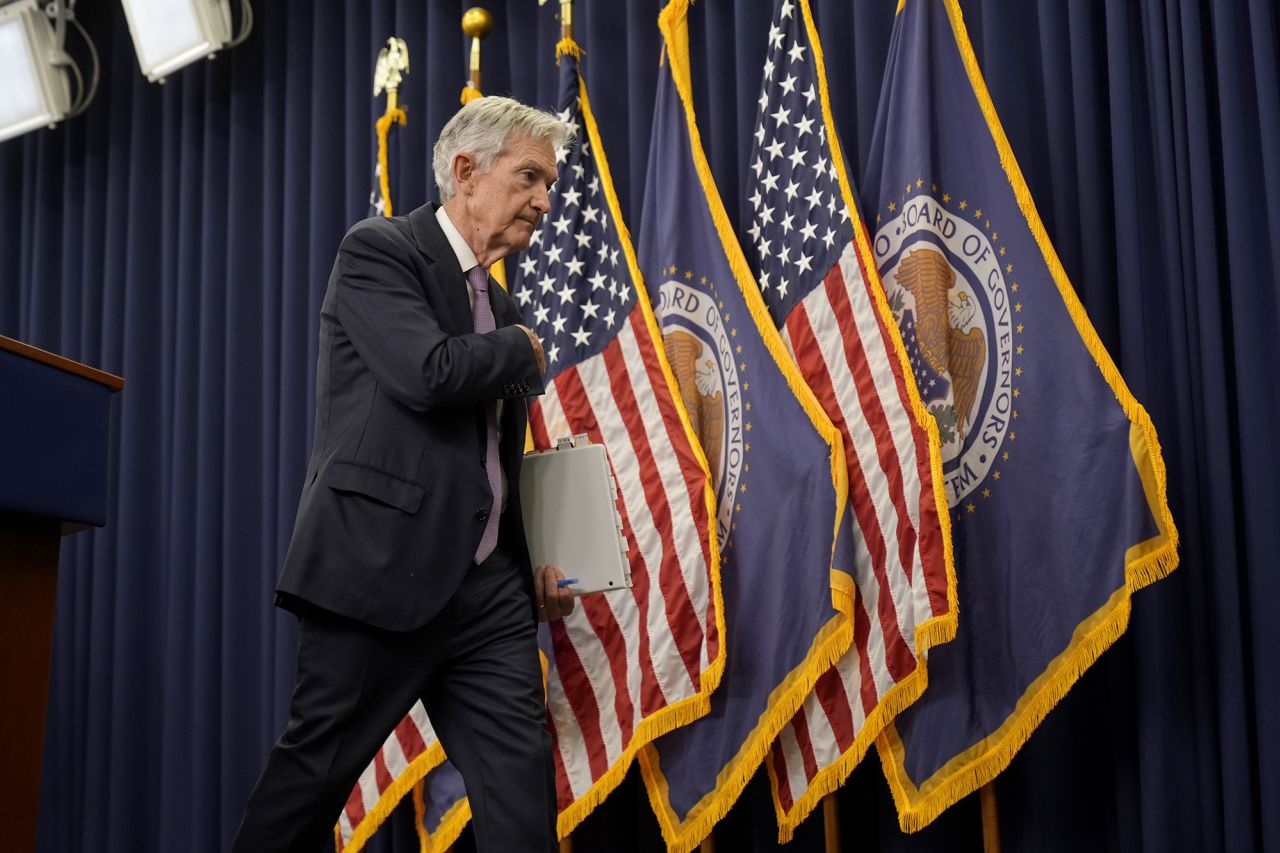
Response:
column 396, row 497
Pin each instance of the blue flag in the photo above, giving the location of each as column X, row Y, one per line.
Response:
column 776, row 461
column 1052, row 469
column 441, row 809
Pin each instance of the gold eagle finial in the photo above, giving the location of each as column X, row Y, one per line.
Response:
column 392, row 65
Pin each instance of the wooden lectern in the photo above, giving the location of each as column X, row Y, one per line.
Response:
column 54, row 418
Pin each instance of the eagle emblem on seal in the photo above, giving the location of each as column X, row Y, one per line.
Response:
column 696, row 376
column 949, row 341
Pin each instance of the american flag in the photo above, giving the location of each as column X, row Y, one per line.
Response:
column 411, row 759
column 628, row 666
column 815, row 270
column 377, row 204
column 409, row 753
column 779, row 464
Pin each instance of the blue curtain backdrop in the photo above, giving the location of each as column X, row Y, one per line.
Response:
column 182, row 235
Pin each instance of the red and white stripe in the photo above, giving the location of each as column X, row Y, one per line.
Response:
column 411, row 741
column 620, row 660
column 846, row 353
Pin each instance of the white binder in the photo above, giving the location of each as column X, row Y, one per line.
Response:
column 568, row 500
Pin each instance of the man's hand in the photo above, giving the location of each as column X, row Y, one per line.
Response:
column 537, row 350
column 553, row 602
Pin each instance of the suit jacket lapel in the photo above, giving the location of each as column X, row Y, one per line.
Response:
column 443, row 265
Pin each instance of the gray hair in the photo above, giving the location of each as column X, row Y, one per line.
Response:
column 483, row 128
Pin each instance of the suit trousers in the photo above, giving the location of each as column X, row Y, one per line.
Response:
column 475, row 666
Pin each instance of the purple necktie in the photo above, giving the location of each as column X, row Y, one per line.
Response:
column 482, row 313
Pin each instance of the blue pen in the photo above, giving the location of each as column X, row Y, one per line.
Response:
column 563, row 582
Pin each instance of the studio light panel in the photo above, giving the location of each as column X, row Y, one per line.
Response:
column 168, row 34
column 32, row 92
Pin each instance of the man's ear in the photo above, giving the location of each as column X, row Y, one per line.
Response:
column 464, row 172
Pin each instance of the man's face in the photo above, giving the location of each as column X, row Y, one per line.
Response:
column 504, row 205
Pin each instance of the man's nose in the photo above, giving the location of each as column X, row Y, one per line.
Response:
column 541, row 200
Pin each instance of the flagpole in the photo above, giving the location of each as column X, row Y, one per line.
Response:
column 566, row 32
column 831, row 823
column 990, row 820
column 476, row 23
column 566, row 20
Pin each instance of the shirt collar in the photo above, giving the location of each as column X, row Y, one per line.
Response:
column 466, row 257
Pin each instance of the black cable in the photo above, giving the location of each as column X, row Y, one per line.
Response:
column 246, row 24
column 82, row 105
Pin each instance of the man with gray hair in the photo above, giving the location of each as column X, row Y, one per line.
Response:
column 408, row 568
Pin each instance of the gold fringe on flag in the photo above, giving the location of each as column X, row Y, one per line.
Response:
column 392, row 115
column 568, row 47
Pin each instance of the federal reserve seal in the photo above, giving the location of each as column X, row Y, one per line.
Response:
column 947, row 290
column 702, row 360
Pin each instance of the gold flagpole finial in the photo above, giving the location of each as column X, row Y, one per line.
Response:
column 476, row 24
column 566, row 46
column 566, row 20
column 392, row 65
